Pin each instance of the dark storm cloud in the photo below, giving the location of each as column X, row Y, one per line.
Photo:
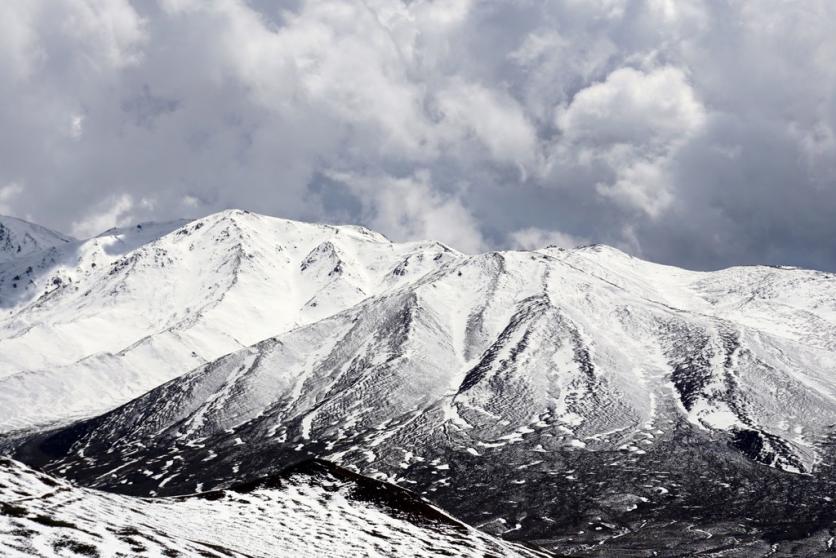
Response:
column 694, row 133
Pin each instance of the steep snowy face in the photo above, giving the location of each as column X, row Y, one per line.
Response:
column 19, row 239
column 120, row 313
column 313, row 510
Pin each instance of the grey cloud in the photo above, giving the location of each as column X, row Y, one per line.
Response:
column 693, row 132
column 146, row 108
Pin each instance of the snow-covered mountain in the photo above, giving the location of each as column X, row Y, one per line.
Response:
column 97, row 322
column 565, row 395
column 19, row 238
column 312, row 510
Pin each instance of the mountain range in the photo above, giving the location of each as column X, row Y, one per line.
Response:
column 580, row 400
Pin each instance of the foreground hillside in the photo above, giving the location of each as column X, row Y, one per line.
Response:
column 313, row 510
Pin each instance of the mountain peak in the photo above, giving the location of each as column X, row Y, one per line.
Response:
column 20, row 238
column 598, row 248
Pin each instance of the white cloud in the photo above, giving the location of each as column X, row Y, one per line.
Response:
column 409, row 208
column 76, row 128
column 7, row 193
column 647, row 109
column 19, row 47
column 103, row 34
column 608, row 9
column 494, row 118
column 111, row 213
column 632, row 123
column 643, row 184
column 108, row 30
column 441, row 13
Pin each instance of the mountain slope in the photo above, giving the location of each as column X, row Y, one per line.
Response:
column 20, row 238
column 314, row 509
column 492, row 344
column 120, row 313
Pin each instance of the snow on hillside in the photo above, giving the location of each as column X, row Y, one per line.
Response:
column 314, row 511
column 122, row 312
column 19, row 238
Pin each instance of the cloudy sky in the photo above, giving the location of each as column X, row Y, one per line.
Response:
column 694, row 133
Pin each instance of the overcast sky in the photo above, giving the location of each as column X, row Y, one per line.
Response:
column 694, row 133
